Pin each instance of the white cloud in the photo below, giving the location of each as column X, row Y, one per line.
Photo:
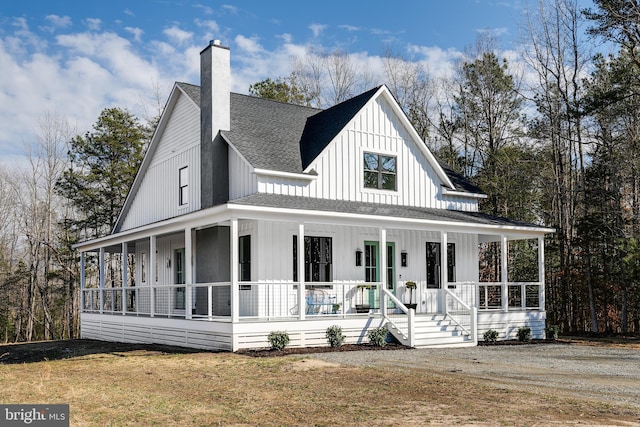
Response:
column 77, row 74
column 230, row 8
column 211, row 28
column 59, row 21
column 317, row 29
column 349, row 28
column 178, row 35
column 286, row 37
column 56, row 22
column 205, row 9
column 129, row 12
column 93, row 23
column 495, row 32
column 136, row 32
column 440, row 62
column 249, row 45
column 76, row 77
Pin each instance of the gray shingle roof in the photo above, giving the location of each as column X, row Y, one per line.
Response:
column 374, row 209
column 287, row 138
column 267, row 133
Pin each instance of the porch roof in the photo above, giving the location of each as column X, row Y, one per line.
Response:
column 306, row 209
column 284, row 202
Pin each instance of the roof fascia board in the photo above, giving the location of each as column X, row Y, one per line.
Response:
column 153, row 145
column 448, row 192
column 414, row 134
column 195, row 219
column 279, row 174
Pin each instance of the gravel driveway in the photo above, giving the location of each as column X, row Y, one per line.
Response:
column 595, row 372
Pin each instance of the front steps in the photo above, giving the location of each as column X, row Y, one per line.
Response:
column 434, row 330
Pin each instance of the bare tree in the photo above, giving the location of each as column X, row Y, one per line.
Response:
column 410, row 83
column 558, row 60
column 327, row 78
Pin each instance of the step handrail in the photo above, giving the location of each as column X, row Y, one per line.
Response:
column 409, row 312
column 464, row 305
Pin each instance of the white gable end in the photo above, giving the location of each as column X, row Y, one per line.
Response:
column 158, row 195
column 376, row 129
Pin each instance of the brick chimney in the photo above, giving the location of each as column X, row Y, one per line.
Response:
column 215, row 115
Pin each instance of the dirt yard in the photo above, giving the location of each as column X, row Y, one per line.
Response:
column 121, row 384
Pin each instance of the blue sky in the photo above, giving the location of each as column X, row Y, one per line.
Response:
column 74, row 58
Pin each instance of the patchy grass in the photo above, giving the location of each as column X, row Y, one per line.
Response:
column 109, row 384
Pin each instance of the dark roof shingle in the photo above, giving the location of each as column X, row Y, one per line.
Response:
column 375, row 209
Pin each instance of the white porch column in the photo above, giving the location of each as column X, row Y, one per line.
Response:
column 444, row 278
column 188, row 273
column 125, row 276
column 82, row 281
column 152, row 274
column 101, row 272
column 541, row 290
column 504, row 273
column 383, row 270
column 235, row 290
column 302, row 306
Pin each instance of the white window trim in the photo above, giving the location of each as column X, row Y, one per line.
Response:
column 181, row 202
column 361, row 171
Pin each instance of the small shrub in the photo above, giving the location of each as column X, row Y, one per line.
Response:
column 334, row 336
column 552, row 332
column 524, row 333
column 378, row 336
column 490, row 336
column 278, row 340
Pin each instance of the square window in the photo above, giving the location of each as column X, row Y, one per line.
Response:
column 380, row 171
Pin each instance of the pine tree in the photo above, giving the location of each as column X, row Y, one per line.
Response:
column 104, row 164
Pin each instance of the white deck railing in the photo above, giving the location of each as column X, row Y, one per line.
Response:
column 280, row 300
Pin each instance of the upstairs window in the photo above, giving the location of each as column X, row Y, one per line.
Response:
column 183, row 184
column 380, row 171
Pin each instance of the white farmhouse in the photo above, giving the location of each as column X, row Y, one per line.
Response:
column 250, row 216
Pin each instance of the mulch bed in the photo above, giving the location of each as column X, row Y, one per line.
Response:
column 518, row 342
column 262, row 352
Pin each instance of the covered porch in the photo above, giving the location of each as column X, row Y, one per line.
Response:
column 232, row 274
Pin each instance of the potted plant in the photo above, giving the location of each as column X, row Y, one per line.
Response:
column 410, row 285
column 362, row 307
column 335, row 308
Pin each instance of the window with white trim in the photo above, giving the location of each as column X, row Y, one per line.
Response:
column 183, row 184
column 380, row 171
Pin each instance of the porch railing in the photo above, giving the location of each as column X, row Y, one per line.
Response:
column 510, row 296
column 257, row 300
column 278, row 300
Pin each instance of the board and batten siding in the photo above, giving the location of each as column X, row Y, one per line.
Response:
column 375, row 129
column 242, row 180
column 157, row 197
column 272, row 251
